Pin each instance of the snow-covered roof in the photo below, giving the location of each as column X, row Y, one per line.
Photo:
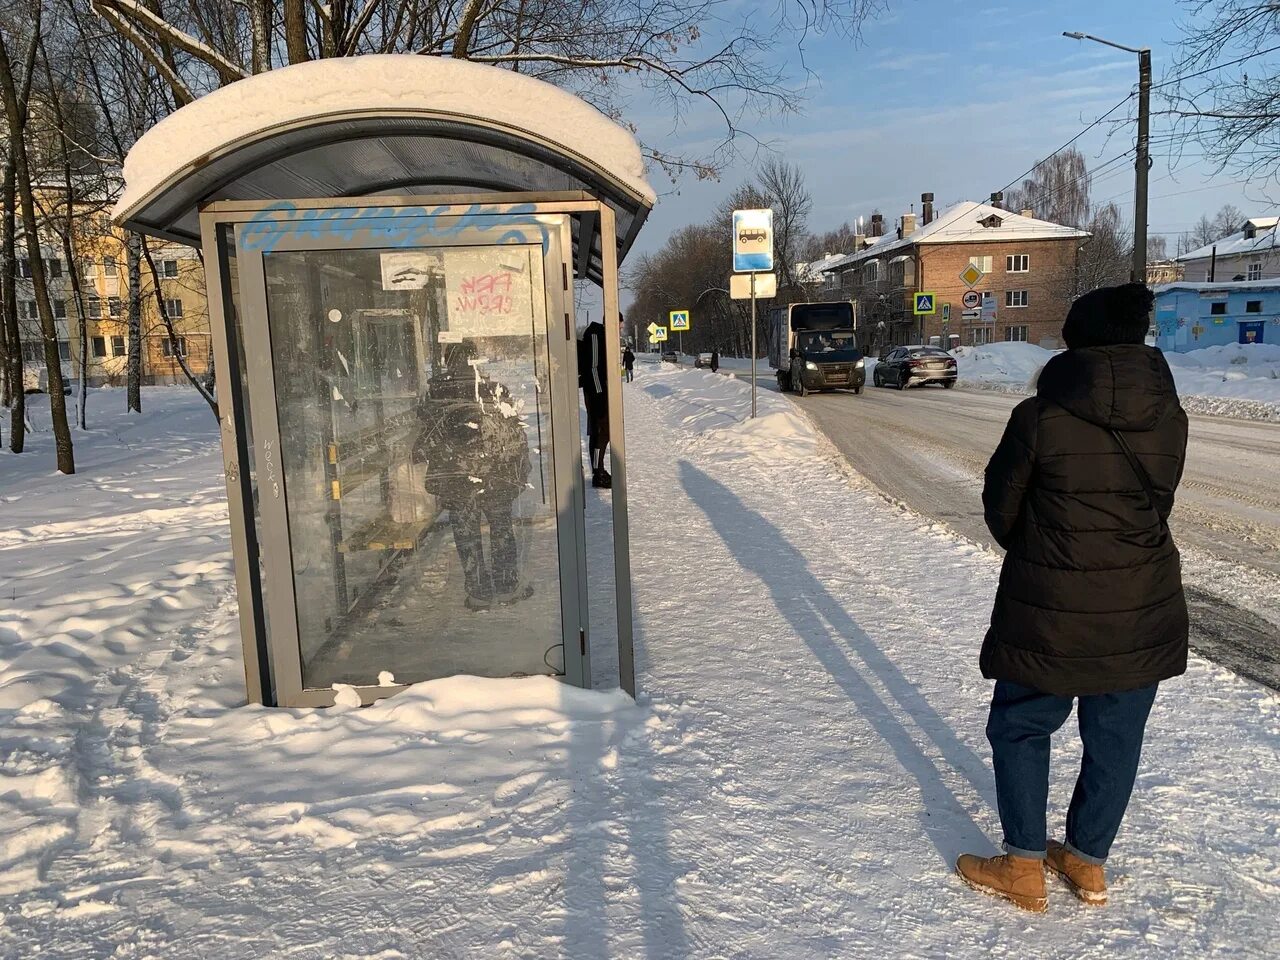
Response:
column 1225, row 286
column 1238, row 243
column 813, row 270
column 379, row 124
column 961, row 224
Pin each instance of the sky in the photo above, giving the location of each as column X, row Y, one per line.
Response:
column 959, row 99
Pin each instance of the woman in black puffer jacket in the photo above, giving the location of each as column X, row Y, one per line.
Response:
column 1090, row 603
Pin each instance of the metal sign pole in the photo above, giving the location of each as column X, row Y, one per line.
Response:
column 753, row 344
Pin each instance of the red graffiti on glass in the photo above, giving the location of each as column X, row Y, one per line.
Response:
column 486, row 293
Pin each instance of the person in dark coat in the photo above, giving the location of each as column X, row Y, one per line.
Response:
column 715, row 359
column 629, row 362
column 593, row 378
column 1090, row 607
column 477, row 457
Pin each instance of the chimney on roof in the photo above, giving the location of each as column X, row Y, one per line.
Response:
column 859, row 241
column 1028, row 212
column 997, row 200
column 877, row 224
column 908, row 226
column 926, row 209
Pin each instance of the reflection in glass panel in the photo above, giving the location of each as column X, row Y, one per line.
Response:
column 413, row 401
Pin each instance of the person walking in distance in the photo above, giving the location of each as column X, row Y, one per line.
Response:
column 1090, row 609
column 629, row 362
column 593, row 378
column 715, row 359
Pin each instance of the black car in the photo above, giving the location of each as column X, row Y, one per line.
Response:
column 904, row 367
column 670, row 356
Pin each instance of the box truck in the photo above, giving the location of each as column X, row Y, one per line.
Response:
column 814, row 346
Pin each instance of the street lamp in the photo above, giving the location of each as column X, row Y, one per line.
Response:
column 1142, row 163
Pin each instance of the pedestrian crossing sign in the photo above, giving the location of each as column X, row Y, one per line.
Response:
column 679, row 319
column 924, row 303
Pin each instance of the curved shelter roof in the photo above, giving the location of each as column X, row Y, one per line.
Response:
column 399, row 125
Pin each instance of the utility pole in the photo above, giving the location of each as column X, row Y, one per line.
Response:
column 753, row 344
column 1142, row 162
column 1142, row 166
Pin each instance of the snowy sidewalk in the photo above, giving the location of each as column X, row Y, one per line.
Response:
column 806, row 760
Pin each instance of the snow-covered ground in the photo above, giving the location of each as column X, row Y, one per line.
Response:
column 804, row 763
column 1237, row 380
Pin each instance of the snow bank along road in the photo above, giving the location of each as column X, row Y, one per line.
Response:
column 804, row 764
column 927, row 448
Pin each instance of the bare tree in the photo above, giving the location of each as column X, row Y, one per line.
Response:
column 783, row 185
column 15, row 89
column 13, row 398
column 1157, row 248
column 1057, row 190
column 1227, row 221
column 1223, row 90
column 684, row 53
column 175, row 345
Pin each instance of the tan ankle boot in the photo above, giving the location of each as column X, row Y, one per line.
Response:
column 1086, row 880
column 1016, row 879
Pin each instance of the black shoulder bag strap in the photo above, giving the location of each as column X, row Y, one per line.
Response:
column 1143, row 477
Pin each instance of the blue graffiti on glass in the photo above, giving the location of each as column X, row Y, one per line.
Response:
column 392, row 226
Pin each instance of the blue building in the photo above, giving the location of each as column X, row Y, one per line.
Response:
column 1190, row 316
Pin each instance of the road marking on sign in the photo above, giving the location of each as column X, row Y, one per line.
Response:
column 679, row 319
column 924, row 303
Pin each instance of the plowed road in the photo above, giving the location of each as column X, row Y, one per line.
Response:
column 927, row 447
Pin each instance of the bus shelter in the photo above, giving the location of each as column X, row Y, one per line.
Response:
column 390, row 247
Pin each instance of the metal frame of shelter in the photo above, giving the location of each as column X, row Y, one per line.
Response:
column 258, row 196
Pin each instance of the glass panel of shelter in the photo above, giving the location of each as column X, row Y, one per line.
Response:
column 420, row 509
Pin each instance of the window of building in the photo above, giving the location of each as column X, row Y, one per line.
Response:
column 169, row 269
column 59, row 309
column 871, row 272
column 1015, row 298
column 64, row 349
column 53, row 267
column 33, row 352
column 99, row 346
column 108, row 266
column 88, row 271
column 113, row 306
column 979, row 335
column 117, row 347
column 93, row 306
column 1218, row 309
column 1253, row 306
column 24, row 268
column 166, row 346
column 982, row 263
column 1016, row 334
column 1255, row 271
column 173, row 307
column 29, row 310
column 1018, row 263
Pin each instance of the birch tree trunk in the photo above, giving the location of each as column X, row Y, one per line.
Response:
column 133, row 260
column 14, row 398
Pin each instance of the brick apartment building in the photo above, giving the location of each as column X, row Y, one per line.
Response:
column 1029, row 270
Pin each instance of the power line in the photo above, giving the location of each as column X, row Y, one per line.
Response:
column 1129, row 96
column 1220, row 66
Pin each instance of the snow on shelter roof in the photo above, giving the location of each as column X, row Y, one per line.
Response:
column 391, row 124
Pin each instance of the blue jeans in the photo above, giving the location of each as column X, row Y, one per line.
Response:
column 1111, row 729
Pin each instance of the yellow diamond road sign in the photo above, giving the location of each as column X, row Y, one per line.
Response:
column 971, row 275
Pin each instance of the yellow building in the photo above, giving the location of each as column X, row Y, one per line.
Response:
column 101, row 261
